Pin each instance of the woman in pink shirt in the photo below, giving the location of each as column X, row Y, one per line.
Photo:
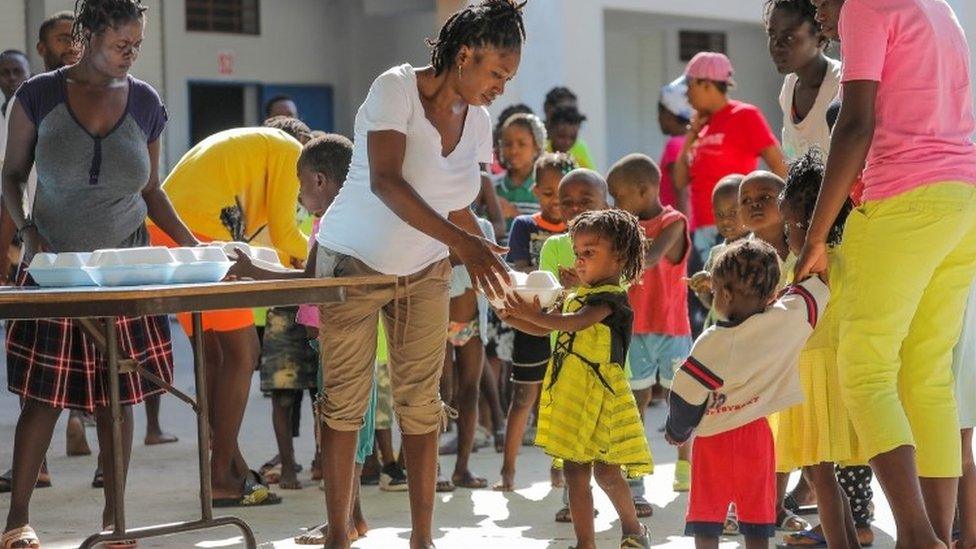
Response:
column 909, row 250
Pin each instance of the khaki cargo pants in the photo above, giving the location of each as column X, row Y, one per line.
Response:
column 415, row 315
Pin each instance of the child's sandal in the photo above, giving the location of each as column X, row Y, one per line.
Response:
column 637, row 541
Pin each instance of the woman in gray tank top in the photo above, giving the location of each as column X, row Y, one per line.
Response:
column 92, row 131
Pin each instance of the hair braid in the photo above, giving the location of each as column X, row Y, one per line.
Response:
column 803, row 188
column 624, row 233
column 94, row 16
column 495, row 23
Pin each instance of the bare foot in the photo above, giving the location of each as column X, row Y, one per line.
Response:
column 320, row 534
column 359, row 522
column 77, row 442
column 160, row 437
column 556, row 478
column 289, row 481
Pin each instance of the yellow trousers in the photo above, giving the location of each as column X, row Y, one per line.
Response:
column 909, row 263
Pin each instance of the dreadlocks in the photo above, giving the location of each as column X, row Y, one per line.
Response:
column 802, row 189
column 94, row 16
column 624, row 233
column 495, row 23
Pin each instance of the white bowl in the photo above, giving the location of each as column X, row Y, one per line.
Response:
column 541, row 280
column 71, row 259
column 547, row 297
column 200, row 272
column 541, row 284
column 43, row 261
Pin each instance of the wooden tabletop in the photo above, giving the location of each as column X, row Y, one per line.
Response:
column 30, row 303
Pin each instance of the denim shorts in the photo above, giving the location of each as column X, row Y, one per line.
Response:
column 653, row 354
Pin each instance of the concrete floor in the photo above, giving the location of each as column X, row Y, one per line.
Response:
column 163, row 488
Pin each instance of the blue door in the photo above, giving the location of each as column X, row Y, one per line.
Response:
column 314, row 103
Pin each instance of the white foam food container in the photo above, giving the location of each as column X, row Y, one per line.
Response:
column 132, row 275
column 528, row 286
column 154, row 255
column 60, row 270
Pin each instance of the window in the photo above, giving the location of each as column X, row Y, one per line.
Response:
column 692, row 42
column 235, row 16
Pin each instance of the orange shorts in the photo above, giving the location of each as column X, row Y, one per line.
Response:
column 227, row 320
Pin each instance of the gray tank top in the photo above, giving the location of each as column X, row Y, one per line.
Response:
column 89, row 188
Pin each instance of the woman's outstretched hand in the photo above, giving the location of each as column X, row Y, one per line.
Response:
column 481, row 258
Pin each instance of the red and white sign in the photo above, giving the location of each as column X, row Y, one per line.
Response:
column 225, row 62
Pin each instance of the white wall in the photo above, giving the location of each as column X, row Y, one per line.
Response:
column 566, row 46
column 292, row 48
column 12, row 32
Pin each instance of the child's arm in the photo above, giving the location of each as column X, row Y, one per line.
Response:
column 244, row 268
column 693, row 383
column 585, row 317
column 522, row 325
column 669, row 244
column 701, row 284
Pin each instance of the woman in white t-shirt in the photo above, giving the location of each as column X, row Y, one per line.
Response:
column 420, row 137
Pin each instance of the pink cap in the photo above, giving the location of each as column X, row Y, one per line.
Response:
column 712, row 66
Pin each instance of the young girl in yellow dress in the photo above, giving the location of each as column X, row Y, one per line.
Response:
column 818, row 433
column 587, row 414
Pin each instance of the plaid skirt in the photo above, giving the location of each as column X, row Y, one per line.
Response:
column 54, row 362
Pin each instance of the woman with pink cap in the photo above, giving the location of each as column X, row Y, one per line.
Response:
column 725, row 137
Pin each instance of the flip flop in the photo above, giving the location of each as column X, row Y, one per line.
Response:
column 791, row 504
column 24, row 536
column 643, row 507
column 473, row 483
column 806, row 538
column 563, row 515
column 787, row 521
column 43, row 481
column 255, row 495
column 444, row 485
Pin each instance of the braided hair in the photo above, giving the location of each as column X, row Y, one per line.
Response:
column 562, row 163
column 802, row 189
column 624, row 233
column 748, row 268
column 495, row 23
column 94, row 16
column 804, row 10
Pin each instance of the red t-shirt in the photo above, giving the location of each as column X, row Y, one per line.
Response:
column 730, row 143
column 660, row 302
column 672, row 149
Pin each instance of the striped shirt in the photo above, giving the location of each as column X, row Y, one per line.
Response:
column 739, row 373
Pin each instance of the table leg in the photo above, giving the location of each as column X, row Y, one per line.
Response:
column 203, row 441
column 118, row 459
column 203, row 418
